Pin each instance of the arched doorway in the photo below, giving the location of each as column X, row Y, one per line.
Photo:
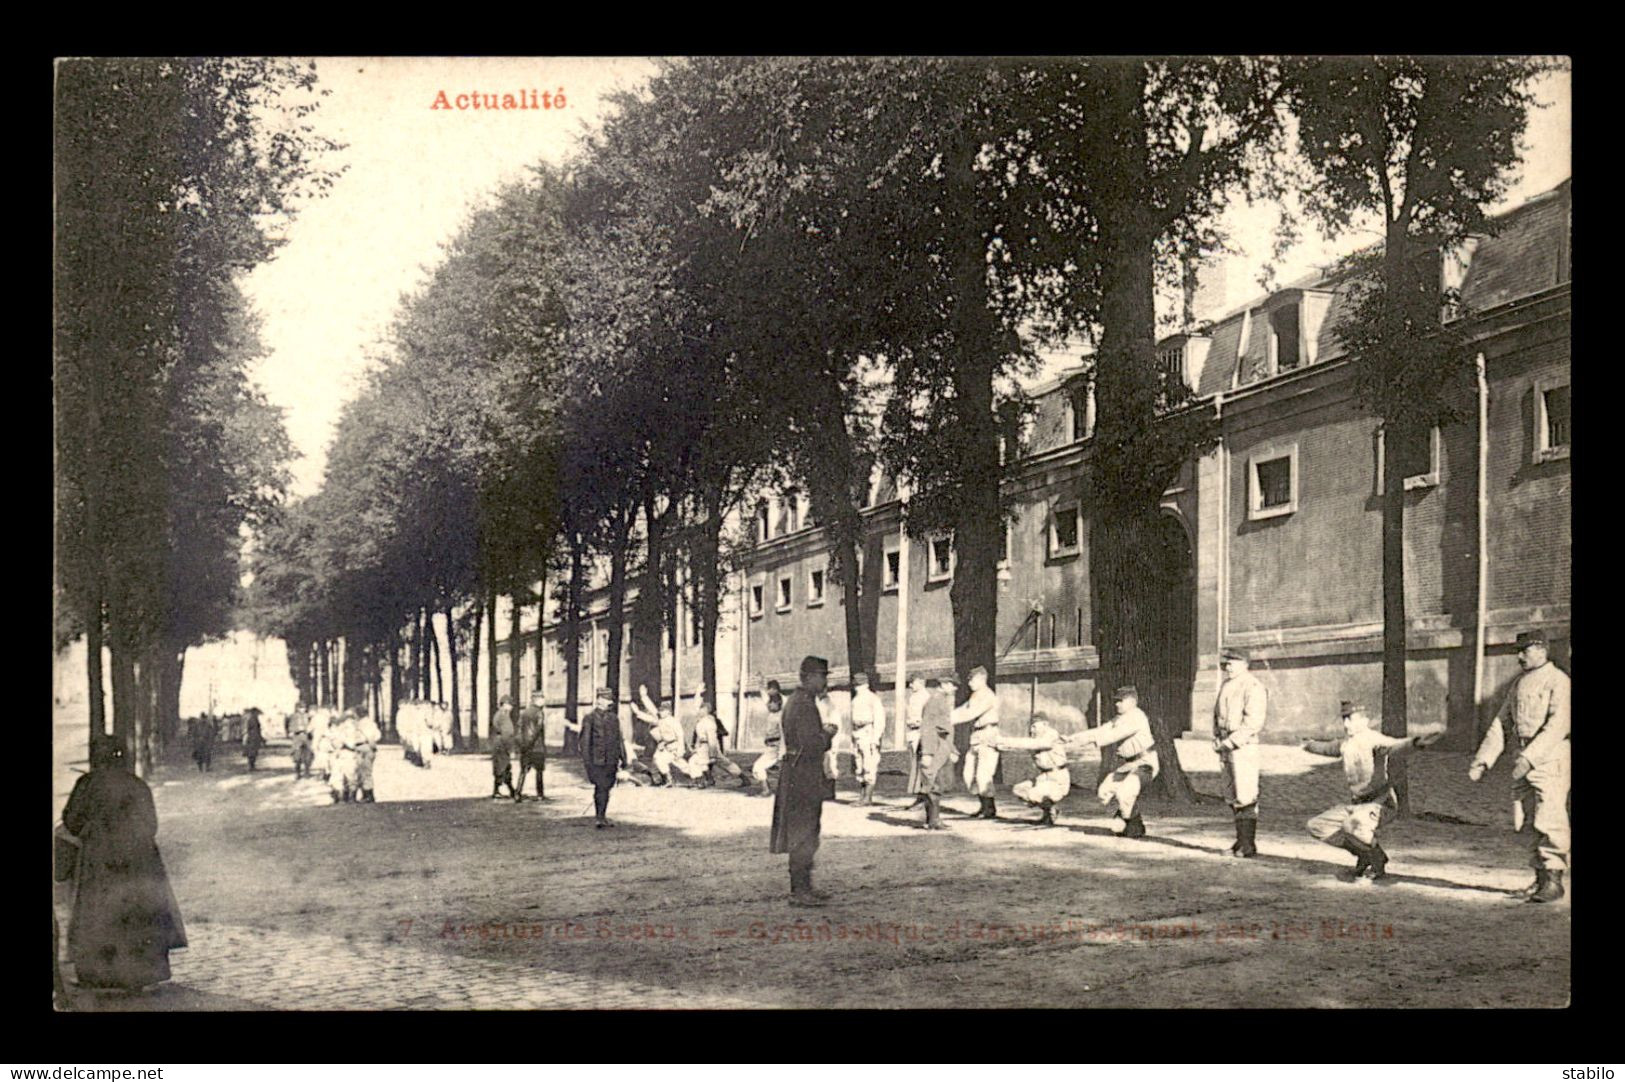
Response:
column 1169, row 615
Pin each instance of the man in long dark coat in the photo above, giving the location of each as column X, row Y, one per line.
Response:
column 935, row 753
column 253, row 737
column 602, row 751
column 798, row 806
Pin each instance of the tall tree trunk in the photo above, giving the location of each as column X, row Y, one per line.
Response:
column 491, row 658
column 146, row 710
column 474, row 673
column 708, row 591
column 1127, row 475
column 620, row 539
column 515, row 643
column 979, row 526
column 648, row 611
column 1395, row 698
column 171, row 669
column 435, row 675
column 374, row 682
column 124, row 694
column 93, row 670
column 571, row 624
column 451, row 661
column 394, row 679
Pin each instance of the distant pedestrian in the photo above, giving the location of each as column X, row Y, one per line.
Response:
column 343, row 738
column 303, row 754
column 1238, row 718
column 204, row 733
column 125, row 919
column 602, row 752
column 1534, row 718
column 1372, row 803
column 531, row 746
column 798, row 806
column 253, row 739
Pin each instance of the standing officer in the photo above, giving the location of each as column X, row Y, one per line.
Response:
column 934, row 754
column 868, row 721
column 1536, row 710
column 253, row 736
column 798, row 806
column 602, row 751
column 1238, row 717
column 981, row 713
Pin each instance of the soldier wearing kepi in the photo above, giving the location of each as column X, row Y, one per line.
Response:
column 798, row 806
column 1238, row 717
column 602, row 751
column 934, row 754
column 1130, row 730
column 366, row 753
column 981, row 713
column 1534, row 718
column 868, row 720
column 1053, row 781
column 1353, row 826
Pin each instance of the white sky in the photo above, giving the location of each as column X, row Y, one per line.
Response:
column 414, row 173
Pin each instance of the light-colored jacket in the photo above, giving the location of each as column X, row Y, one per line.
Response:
column 1049, row 750
column 1360, row 765
column 981, row 711
column 1238, row 712
column 1537, row 709
column 868, row 716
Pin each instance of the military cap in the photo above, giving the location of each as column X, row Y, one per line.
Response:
column 1125, row 691
column 861, row 678
column 605, row 693
column 1233, row 653
column 1351, row 707
column 976, row 669
column 933, row 683
column 1531, row 638
column 814, row 664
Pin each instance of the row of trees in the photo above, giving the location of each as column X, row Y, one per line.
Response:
column 172, row 178
column 782, row 272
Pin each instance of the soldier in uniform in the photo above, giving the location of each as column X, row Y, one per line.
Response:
column 1238, row 717
column 1534, row 718
column 868, row 715
column 981, row 713
column 933, row 753
column 602, row 751
column 798, row 806
column 773, row 739
column 1353, row 826
column 303, row 756
column 708, row 752
column 253, row 737
column 366, row 754
column 669, row 753
column 343, row 738
column 1053, row 781
column 1130, row 730
column 531, row 742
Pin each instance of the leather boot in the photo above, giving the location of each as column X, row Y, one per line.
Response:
column 1362, row 853
column 1134, row 828
column 1533, row 888
column 1048, row 818
column 989, row 809
column 370, row 798
column 1246, row 832
column 1551, row 890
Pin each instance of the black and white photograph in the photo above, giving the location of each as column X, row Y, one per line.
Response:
column 811, row 532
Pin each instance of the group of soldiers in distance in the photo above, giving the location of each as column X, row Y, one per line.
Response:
column 207, row 731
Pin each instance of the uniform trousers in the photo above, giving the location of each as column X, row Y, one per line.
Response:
column 981, row 761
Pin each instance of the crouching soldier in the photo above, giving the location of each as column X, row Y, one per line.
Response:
column 709, row 755
column 1054, row 780
column 366, row 754
column 1130, row 730
column 1353, row 826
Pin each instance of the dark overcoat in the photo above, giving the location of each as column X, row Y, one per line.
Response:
column 125, row 919
column 937, row 742
column 602, row 751
column 798, row 806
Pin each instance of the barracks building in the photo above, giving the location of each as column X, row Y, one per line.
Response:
column 1270, row 542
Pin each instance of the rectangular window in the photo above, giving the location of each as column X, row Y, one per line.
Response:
column 815, row 587
column 894, row 564
column 626, row 643
column 1007, row 548
column 1069, row 419
column 792, row 511
column 1272, row 484
column 1172, row 363
column 603, row 654
column 552, row 658
column 941, row 558
column 764, row 522
column 758, row 595
column 1077, row 636
column 1552, row 425
column 1284, row 338
column 1052, row 642
column 784, row 594
column 1065, row 530
column 1418, row 455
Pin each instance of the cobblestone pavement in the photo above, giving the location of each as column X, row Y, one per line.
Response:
column 439, row 898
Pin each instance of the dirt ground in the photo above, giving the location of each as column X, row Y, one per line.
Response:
column 438, row 897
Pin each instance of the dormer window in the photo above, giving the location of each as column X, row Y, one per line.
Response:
column 1171, row 362
column 1285, row 342
column 764, row 521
